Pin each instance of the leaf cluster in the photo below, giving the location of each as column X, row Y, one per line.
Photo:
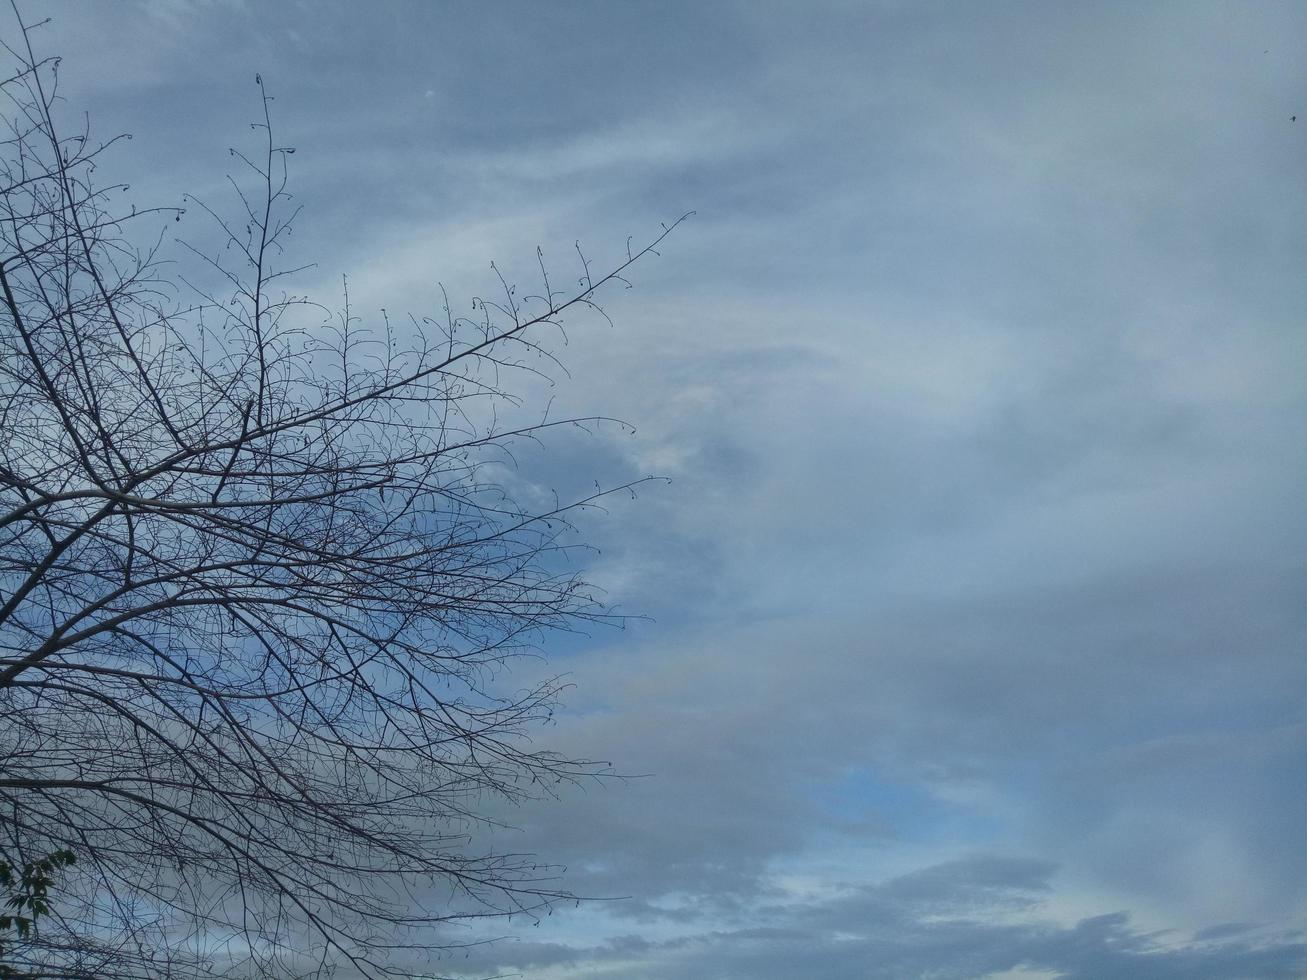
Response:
column 29, row 900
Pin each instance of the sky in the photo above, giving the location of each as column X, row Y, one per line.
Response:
column 976, row 602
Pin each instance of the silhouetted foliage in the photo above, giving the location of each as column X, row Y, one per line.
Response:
column 27, row 898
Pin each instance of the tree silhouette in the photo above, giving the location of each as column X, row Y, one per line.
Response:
column 258, row 580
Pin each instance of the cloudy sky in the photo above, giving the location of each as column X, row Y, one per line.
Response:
column 978, row 596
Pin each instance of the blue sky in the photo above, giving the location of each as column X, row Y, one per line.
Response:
column 977, row 593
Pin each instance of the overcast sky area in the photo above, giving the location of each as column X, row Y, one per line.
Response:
column 978, row 596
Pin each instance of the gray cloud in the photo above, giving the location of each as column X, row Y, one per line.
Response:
column 951, row 926
column 978, row 376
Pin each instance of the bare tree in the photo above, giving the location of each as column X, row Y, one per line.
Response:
column 257, row 584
